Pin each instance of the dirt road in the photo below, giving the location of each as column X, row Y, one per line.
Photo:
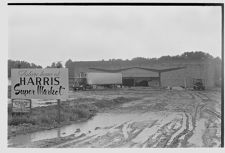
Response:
column 159, row 118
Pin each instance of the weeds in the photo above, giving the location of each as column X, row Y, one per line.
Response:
column 23, row 119
column 49, row 115
column 70, row 111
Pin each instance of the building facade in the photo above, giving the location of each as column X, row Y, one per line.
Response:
column 171, row 73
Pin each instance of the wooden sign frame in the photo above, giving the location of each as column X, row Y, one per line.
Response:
column 21, row 110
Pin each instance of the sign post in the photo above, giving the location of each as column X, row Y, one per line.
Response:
column 59, row 117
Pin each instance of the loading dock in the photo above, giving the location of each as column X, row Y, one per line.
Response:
column 148, row 76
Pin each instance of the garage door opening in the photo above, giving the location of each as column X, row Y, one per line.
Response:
column 128, row 82
column 141, row 82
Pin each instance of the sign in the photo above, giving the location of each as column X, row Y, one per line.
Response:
column 21, row 105
column 51, row 83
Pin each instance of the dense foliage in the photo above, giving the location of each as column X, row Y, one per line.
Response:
column 20, row 64
column 56, row 65
column 186, row 56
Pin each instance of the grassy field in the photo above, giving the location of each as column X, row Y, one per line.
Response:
column 47, row 117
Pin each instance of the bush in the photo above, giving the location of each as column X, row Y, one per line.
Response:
column 82, row 113
column 17, row 120
column 49, row 115
column 83, row 110
column 46, row 120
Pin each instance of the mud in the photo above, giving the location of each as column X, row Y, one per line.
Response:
column 158, row 119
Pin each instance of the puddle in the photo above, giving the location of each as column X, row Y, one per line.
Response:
column 101, row 120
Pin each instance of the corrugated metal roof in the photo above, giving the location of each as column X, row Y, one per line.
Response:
column 143, row 68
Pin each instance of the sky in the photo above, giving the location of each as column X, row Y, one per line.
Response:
column 46, row 34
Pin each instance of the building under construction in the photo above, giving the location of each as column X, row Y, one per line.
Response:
column 171, row 73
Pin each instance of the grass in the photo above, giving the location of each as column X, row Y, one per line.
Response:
column 43, row 118
column 47, row 117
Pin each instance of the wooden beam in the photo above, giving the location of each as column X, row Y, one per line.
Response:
column 160, row 79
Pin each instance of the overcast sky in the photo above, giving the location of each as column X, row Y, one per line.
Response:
column 44, row 34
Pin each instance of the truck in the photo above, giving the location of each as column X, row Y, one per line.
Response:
column 80, row 84
column 97, row 78
column 198, row 84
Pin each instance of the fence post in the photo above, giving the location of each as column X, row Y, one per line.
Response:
column 30, row 106
column 59, row 115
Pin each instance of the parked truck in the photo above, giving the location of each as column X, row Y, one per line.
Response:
column 80, row 84
column 198, row 84
column 95, row 78
column 98, row 79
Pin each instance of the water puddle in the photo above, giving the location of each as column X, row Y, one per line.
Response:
column 100, row 121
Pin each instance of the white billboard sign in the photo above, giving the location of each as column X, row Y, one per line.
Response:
column 51, row 83
column 21, row 105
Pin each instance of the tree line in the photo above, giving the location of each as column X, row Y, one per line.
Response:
column 186, row 56
column 24, row 64
column 20, row 64
column 194, row 55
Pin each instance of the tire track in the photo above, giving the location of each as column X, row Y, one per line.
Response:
column 174, row 141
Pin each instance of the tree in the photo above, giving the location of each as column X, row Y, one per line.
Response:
column 53, row 65
column 20, row 64
column 198, row 55
column 56, row 65
column 68, row 63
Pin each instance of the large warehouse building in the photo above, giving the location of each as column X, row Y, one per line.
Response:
column 175, row 73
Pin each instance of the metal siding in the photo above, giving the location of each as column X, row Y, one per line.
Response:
column 195, row 69
column 139, row 73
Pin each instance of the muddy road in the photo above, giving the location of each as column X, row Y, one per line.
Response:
column 159, row 118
